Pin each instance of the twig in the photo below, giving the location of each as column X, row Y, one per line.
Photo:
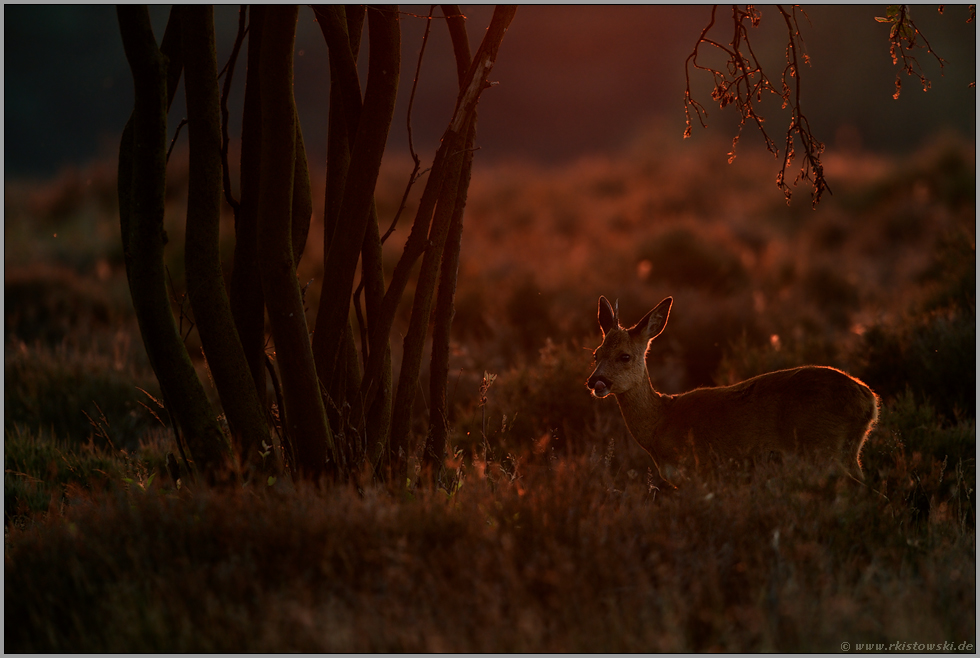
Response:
column 415, row 85
column 173, row 142
column 415, row 175
column 180, row 307
column 225, row 90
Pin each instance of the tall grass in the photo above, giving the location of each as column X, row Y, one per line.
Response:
column 567, row 556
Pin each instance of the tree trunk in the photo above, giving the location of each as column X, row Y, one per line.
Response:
column 435, row 452
column 142, row 176
column 446, row 167
column 205, row 281
column 341, row 30
column 366, row 152
column 305, row 416
column 247, row 299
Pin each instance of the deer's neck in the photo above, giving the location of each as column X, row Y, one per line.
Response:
column 643, row 410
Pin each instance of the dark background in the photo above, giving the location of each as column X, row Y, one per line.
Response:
column 574, row 80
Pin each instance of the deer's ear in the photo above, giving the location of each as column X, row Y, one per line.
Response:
column 607, row 317
column 653, row 322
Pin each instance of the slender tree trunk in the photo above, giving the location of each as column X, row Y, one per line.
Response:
column 452, row 142
column 205, row 281
column 408, row 377
column 141, row 196
column 446, row 167
column 247, row 299
column 302, row 198
column 341, row 29
column 305, row 415
column 366, row 152
column 345, row 109
column 435, row 452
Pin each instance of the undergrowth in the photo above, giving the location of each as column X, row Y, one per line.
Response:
column 548, row 530
column 562, row 554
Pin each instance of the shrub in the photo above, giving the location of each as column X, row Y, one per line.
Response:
column 51, row 304
column 544, row 404
column 529, row 312
column 934, row 356
column 681, row 258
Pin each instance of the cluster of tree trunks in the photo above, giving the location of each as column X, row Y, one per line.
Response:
column 338, row 408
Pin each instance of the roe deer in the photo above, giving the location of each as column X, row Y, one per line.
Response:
column 813, row 410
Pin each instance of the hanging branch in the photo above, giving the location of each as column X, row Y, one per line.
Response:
column 743, row 85
column 812, row 168
column 902, row 39
column 746, row 84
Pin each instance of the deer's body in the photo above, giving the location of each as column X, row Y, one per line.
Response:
column 812, row 411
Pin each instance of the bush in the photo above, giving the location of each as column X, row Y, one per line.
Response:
column 681, row 258
column 53, row 304
column 934, row 356
column 545, row 404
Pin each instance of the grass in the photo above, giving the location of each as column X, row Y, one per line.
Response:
column 550, row 534
column 570, row 555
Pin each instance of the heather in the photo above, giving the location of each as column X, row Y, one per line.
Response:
column 547, row 529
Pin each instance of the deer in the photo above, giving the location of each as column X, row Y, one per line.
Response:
column 810, row 411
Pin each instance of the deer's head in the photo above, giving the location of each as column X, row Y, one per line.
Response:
column 621, row 359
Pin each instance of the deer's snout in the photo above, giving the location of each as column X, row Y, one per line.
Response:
column 599, row 385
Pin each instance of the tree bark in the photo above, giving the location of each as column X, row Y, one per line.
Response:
column 366, row 152
column 205, row 281
column 247, row 299
column 341, row 31
column 141, row 200
column 435, row 452
column 414, row 343
column 305, row 416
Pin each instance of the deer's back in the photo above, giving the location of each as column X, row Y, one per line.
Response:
column 802, row 410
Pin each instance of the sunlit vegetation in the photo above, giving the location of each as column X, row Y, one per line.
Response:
column 547, row 530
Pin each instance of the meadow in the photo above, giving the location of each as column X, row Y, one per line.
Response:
column 552, row 533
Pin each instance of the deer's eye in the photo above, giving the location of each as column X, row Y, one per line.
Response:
column 624, row 358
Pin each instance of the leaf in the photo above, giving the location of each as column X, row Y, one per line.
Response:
column 271, row 481
column 149, row 480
